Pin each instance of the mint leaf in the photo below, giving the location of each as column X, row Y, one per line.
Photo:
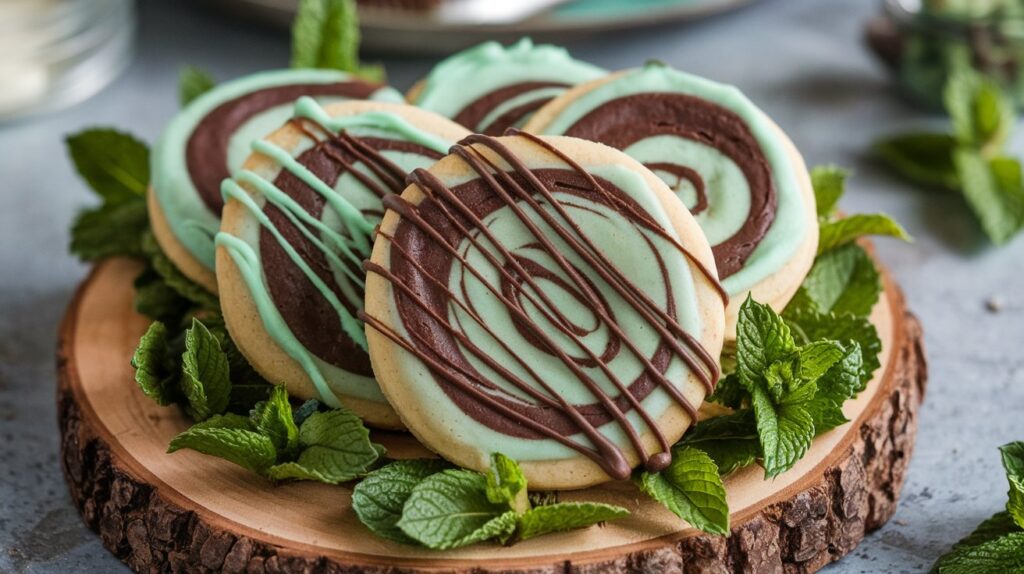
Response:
column 826, row 415
column 991, row 529
column 845, row 378
column 1013, row 462
column 205, row 380
column 847, row 229
column 762, row 338
column 192, row 83
column 1004, row 555
column 923, row 158
column 111, row 230
column 809, row 326
column 843, row 280
column 273, row 418
column 786, row 432
column 982, row 115
column 691, row 488
column 156, row 371
column 829, row 182
column 565, row 516
column 451, row 509
column 729, row 392
column 994, row 192
column 506, row 483
column 174, row 278
column 114, row 164
column 227, row 437
column 325, row 34
column 817, row 358
column 378, row 499
column 730, row 440
column 156, row 300
column 336, row 448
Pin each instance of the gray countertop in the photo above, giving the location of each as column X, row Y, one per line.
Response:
column 800, row 60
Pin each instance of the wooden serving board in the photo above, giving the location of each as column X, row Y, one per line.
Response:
column 190, row 512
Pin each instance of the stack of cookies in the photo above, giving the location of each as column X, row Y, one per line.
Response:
column 525, row 254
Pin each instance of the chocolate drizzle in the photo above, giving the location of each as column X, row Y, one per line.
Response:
column 474, row 114
column 206, row 153
column 425, row 252
column 307, row 312
column 629, row 119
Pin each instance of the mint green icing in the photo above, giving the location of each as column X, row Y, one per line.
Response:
column 343, row 234
column 727, row 191
column 626, row 246
column 471, row 74
column 190, row 220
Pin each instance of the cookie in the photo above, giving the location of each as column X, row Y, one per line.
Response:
column 489, row 88
column 550, row 299
column 739, row 175
column 208, row 141
column 298, row 222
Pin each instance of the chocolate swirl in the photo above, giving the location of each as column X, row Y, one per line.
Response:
column 447, row 256
column 309, row 315
column 626, row 120
column 473, row 116
column 206, row 153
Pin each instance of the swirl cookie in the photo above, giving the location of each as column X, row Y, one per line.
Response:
column 209, row 140
column 550, row 299
column 736, row 171
column 489, row 88
column 298, row 223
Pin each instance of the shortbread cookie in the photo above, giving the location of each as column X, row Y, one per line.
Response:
column 298, row 223
column 736, row 171
column 209, row 140
column 549, row 299
column 489, row 88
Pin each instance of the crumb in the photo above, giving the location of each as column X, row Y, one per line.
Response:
column 994, row 304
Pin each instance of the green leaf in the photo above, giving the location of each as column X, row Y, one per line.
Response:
column 809, row 326
column 451, row 509
column 729, row 392
column 565, row 516
column 994, row 192
column 818, row 357
column 762, row 338
column 922, row 158
column 843, row 280
column 325, row 34
column 829, row 182
column 111, row 230
column 273, row 418
column 174, row 278
column 156, row 372
column 846, row 377
column 991, row 529
column 114, row 164
column 506, row 483
column 730, row 440
column 1003, row 555
column 205, row 379
column 982, row 115
column 245, row 448
column 192, row 83
column 826, row 415
column 378, row 499
column 156, row 300
column 840, row 232
column 691, row 488
column 1013, row 462
column 786, row 432
column 336, row 448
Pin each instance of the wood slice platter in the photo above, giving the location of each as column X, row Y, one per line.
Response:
column 189, row 512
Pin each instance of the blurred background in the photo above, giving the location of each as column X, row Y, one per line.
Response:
column 835, row 75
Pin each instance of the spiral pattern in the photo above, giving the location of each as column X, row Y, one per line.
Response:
column 547, row 303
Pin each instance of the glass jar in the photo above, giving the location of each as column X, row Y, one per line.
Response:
column 921, row 41
column 54, row 53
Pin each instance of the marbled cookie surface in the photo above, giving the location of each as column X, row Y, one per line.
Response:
column 297, row 226
column 736, row 171
column 209, row 140
column 550, row 299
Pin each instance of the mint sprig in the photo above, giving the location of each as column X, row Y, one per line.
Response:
column 113, row 163
column 205, row 376
column 192, row 83
column 997, row 544
column 691, row 488
column 325, row 34
column 829, row 185
column 379, row 498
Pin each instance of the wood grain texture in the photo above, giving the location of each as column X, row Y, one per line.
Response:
column 187, row 512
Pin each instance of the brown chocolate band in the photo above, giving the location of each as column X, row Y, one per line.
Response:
column 629, row 119
column 206, row 153
column 473, row 114
column 311, row 318
column 424, row 251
